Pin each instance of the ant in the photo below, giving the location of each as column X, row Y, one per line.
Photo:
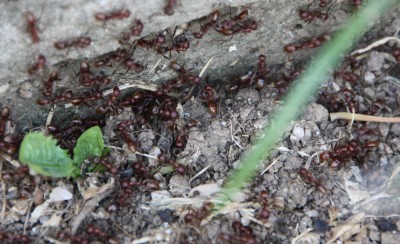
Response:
column 14, row 238
column 120, row 54
column 169, row 8
column 97, row 95
column 80, row 42
column 48, row 85
column 118, row 14
column 197, row 216
column 122, row 127
column 155, row 42
column 396, row 53
column 111, row 104
column 347, row 76
column 164, row 159
column 323, row 3
column 258, row 75
column 204, row 28
column 37, row 66
column 265, row 211
column 135, row 30
column 233, row 26
column 32, row 26
column 114, row 170
column 5, row 114
column 8, row 146
column 308, row 178
column 309, row 16
column 87, row 78
column 181, row 138
column 63, row 97
column 262, row 71
column 242, row 234
column 211, row 100
column 353, row 149
column 311, row 43
column 130, row 64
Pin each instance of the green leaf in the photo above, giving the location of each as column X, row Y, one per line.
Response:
column 89, row 144
column 42, row 154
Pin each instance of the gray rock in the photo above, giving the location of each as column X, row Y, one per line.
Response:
column 375, row 61
column 316, row 113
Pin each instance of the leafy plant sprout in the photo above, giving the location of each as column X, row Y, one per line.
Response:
column 299, row 95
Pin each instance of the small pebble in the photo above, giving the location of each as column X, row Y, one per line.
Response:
column 320, row 226
column 369, row 77
column 25, row 90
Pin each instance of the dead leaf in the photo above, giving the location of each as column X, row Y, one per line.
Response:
column 346, row 230
column 92, row 201
column 54, row 221
column 59, row 194
column 307, row 237
column 20, row 206
column 94, row 191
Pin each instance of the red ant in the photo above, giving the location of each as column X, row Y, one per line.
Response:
column 308, row 178
column 120, row 54
column 7, row 146
column 63, row 97
column 204, row 28
column 323, row 3
column 80, row 42
column 376, row 106
column 291, row 48
column 97, row 95
column 37, row 66
column 155, row 42
column 197, row 216
column 347, row 76
column 264, row 212
column 353, row 149
column 87, row 78
column 135, row 30
column 242, row 15
column 5, row 114
column 262, row 71
column 211, row 99
column 396, row 53
column 111, row 104
column 242, row 234
column 309, row 16
column 14, row 238
column 122, row 127
column 169, row 8
column 312, row 43
column 130, row 64
column 118, row 14
column 114, row 170
column 181, row 138
column 232, row 26
column 48, row 85
column 164, row 159
column 32, row 26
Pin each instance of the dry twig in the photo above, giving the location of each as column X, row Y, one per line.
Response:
column 362, row 117
column 375, row 44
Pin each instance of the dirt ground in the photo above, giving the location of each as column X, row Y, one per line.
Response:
column 295, row 197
